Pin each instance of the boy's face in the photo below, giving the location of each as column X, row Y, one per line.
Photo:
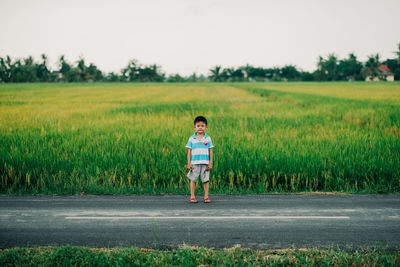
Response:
column 200, row 127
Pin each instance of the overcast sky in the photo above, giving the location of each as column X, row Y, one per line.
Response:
column 185, row 36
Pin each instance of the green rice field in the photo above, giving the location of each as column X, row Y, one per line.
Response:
column 104, row 138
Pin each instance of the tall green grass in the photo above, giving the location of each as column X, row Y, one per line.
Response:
column 194, row 256
column 268, row 137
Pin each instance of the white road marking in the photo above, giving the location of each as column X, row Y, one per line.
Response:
column 207, row 217
column 199, row 212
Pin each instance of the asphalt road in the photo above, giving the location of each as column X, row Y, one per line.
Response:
column 254, row 221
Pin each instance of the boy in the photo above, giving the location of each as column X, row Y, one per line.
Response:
column 199, row 158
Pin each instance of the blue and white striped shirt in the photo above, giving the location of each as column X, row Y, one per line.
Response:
column 199, row 148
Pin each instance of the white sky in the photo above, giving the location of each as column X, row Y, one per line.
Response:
column 185, row 36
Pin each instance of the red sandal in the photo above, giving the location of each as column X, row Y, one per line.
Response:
column 207, row 200
column 192, row 200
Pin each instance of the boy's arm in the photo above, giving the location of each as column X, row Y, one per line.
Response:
column 189, row 156
column 210, row 153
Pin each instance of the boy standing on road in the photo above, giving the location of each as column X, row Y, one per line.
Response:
column 199, row 158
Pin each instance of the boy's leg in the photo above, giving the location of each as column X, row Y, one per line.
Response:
column 193, row 175
column 206, row 185
column 205, row 178
column 192, row 187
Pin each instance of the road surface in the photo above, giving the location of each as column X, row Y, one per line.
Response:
column 254, row 221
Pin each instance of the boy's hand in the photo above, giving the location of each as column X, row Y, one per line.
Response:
column 209, row 167
column 189, row 166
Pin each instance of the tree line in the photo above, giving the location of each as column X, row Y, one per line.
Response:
column 330, row 68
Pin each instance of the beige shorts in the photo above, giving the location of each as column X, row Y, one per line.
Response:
column 199, row 170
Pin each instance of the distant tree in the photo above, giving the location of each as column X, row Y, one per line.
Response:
column 6, row 68
column 225, row 74
column 234, row 75
column 65, row 69
column 215, row 75
column 331, row 65
column 3, row 71
column 394, row 66
column 253, row 73
column 82, row 70
column 276, row 77
column 21, row 70
column 112, row 77
column 135, row 72
column 327, row 69
column 272, row 74
column 398, row 53
column 28, row 70
column 17, row 72
column 202, row 78
column 146, row 74
column 74, row 75
column 350, row 69
column 94, row 73
column 151, row 73
column 131, row 72
column 306, row 76
column 290, row 73
column 321, row 73
column 246, row 70
column 42, row 71
column 371, row 66
column 175, row 78
column 193, row 77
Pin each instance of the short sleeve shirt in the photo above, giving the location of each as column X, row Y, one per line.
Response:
column 200, row 148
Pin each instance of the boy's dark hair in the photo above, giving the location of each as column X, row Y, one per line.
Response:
column 200, row 118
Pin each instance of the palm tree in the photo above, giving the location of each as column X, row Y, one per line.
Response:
column 215, row 74
column 371, row 66
column 321, row 70
column 331, row 66
column 82, row 70
column 65, row 68
column 42, row 71
column 131, row 72
column 234, row 75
